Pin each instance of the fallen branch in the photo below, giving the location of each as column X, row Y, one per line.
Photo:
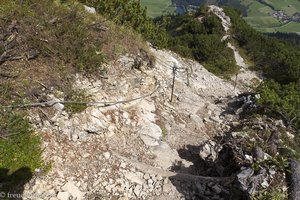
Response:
column 145, row 168
column 8, row 75
column 5, row 137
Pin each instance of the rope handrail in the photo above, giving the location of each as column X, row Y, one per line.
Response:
column 96, row 103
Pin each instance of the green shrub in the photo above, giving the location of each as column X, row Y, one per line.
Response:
column 19, row 148
column 282, row 98
column 200, row 40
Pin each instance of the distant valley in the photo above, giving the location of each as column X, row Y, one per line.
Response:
column 263, row 15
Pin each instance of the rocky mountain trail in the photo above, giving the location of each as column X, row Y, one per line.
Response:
column 113, row 151
column 134, row 149
column 245, row 76
column 132, row 121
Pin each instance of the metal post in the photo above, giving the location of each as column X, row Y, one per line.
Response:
column 235, row 82
column 173, row 83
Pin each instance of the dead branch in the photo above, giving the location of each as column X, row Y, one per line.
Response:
column 8, row 75
column 7, row 136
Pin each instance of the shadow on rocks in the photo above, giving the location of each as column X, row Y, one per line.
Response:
column 212, row 174
column 12, row 185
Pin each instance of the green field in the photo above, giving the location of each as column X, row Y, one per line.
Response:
column 156, row 8
column 259, row 15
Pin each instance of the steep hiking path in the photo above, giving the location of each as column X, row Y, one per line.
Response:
column 112, row 151
column 245, row 77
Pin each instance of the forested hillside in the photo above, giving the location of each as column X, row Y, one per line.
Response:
column 263, row 15
column 280, row 62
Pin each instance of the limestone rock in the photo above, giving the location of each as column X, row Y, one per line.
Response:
column 106, row 155
column 71, row 188
column 150, row 133
column 165, row 156
column 88, row 9
column 63, row 196
column 133, row 177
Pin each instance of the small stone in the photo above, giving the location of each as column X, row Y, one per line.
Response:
column 146, row 176
column 159, row 178
column 37, row 170
column 58, row 106
column 106, row 155
column 125, row 115
column 258, row 154
column 83, row 135
column 249, row 158
column 150, row 133
column 265, row 184
column 153, row 177
column 167, row 188
column 279, row 123
column 201, row 188
column 272, row 172
column 151, row 188
column 63, row 196
column 133, row 177
column 290, row 135
column 216, row 197
column 108, row 188
column 104, row 183
column 150, row 182
column 238, row 134
column 207, row 193
column 73, row 190
column 137, row 190
column 210, row 184
column 89, row 9
column 215, row 119
column 123, row 165
column 166, row 180
column 51, row 193
column 123, row 198
column 157, row 191
column 74, row 137
column 85, row 155
column 216, row 189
